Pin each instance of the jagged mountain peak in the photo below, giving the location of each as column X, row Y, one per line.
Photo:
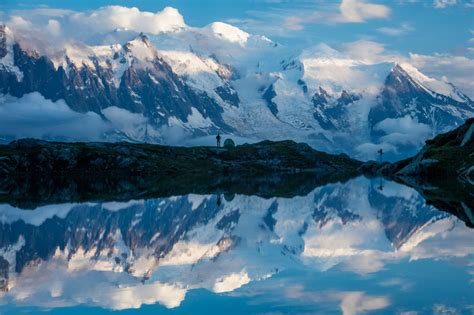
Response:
column 145, row 39
column 429, row 84
column 141, row 49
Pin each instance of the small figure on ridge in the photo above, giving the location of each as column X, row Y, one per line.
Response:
column 218, row 139
column 381, row 154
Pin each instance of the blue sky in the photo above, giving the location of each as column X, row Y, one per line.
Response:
column 421, row 26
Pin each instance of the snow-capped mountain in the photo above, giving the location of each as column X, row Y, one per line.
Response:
column 192, row 82
column 169, row 246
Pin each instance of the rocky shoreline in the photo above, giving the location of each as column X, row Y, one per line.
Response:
column 29, row 156
column 34, row 172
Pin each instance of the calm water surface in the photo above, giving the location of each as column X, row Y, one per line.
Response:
column 364, row 246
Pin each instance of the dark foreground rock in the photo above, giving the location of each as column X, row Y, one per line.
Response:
column 41, row 157
column 36, row 172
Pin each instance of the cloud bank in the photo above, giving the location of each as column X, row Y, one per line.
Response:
column 404, row 132
column 33, row 116
column 91, row 27
column 357, row 11
column 349, row 11
column 441, row 4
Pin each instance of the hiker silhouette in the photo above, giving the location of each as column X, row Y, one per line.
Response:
column 218, row 139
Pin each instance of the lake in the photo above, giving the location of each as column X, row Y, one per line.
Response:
column 361, row 246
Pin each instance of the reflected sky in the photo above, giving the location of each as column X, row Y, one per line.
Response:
column 348, row 248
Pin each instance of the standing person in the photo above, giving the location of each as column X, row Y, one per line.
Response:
column 218, row 139
column 381, row 154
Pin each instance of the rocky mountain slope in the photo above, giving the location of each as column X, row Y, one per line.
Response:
column 186, row 82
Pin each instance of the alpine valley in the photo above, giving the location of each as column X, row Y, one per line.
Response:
column 181, row 84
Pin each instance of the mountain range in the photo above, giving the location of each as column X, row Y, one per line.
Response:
column 182, row 84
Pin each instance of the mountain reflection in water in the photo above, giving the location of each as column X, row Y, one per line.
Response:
column 354, row 247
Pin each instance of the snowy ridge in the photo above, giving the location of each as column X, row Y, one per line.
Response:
column 432, row 85
column 191, row 82
column 7, row 63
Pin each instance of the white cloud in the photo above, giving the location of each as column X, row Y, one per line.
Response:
column 112, row 17
column 405, row 131
column 294, row 23
column 10, row 214
column 402, row 2
column 19, row 22
column 132, row 124
column 231, row 282
column 455, row 69
column 90, row 27
column 358, row 302
column 441, row 4
column 54, row 27
column 365, row 50
column 444, row 309
column 365, row 263
column 357, row 11
column 34, row 116
column 349, row 11
column 396, row 31
column 350, row 302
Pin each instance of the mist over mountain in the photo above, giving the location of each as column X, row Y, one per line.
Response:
column 129, row 75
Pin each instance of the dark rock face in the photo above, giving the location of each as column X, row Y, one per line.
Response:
column 304, row 86
column 3, row 41
column 320, row 98
column 346, row 98
column 333, row 206
column 268, row 96
column 331, row 113
column 154, row 91
column 228, row 94
column 400, row 220
column 402, row 96
column 4, row 269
